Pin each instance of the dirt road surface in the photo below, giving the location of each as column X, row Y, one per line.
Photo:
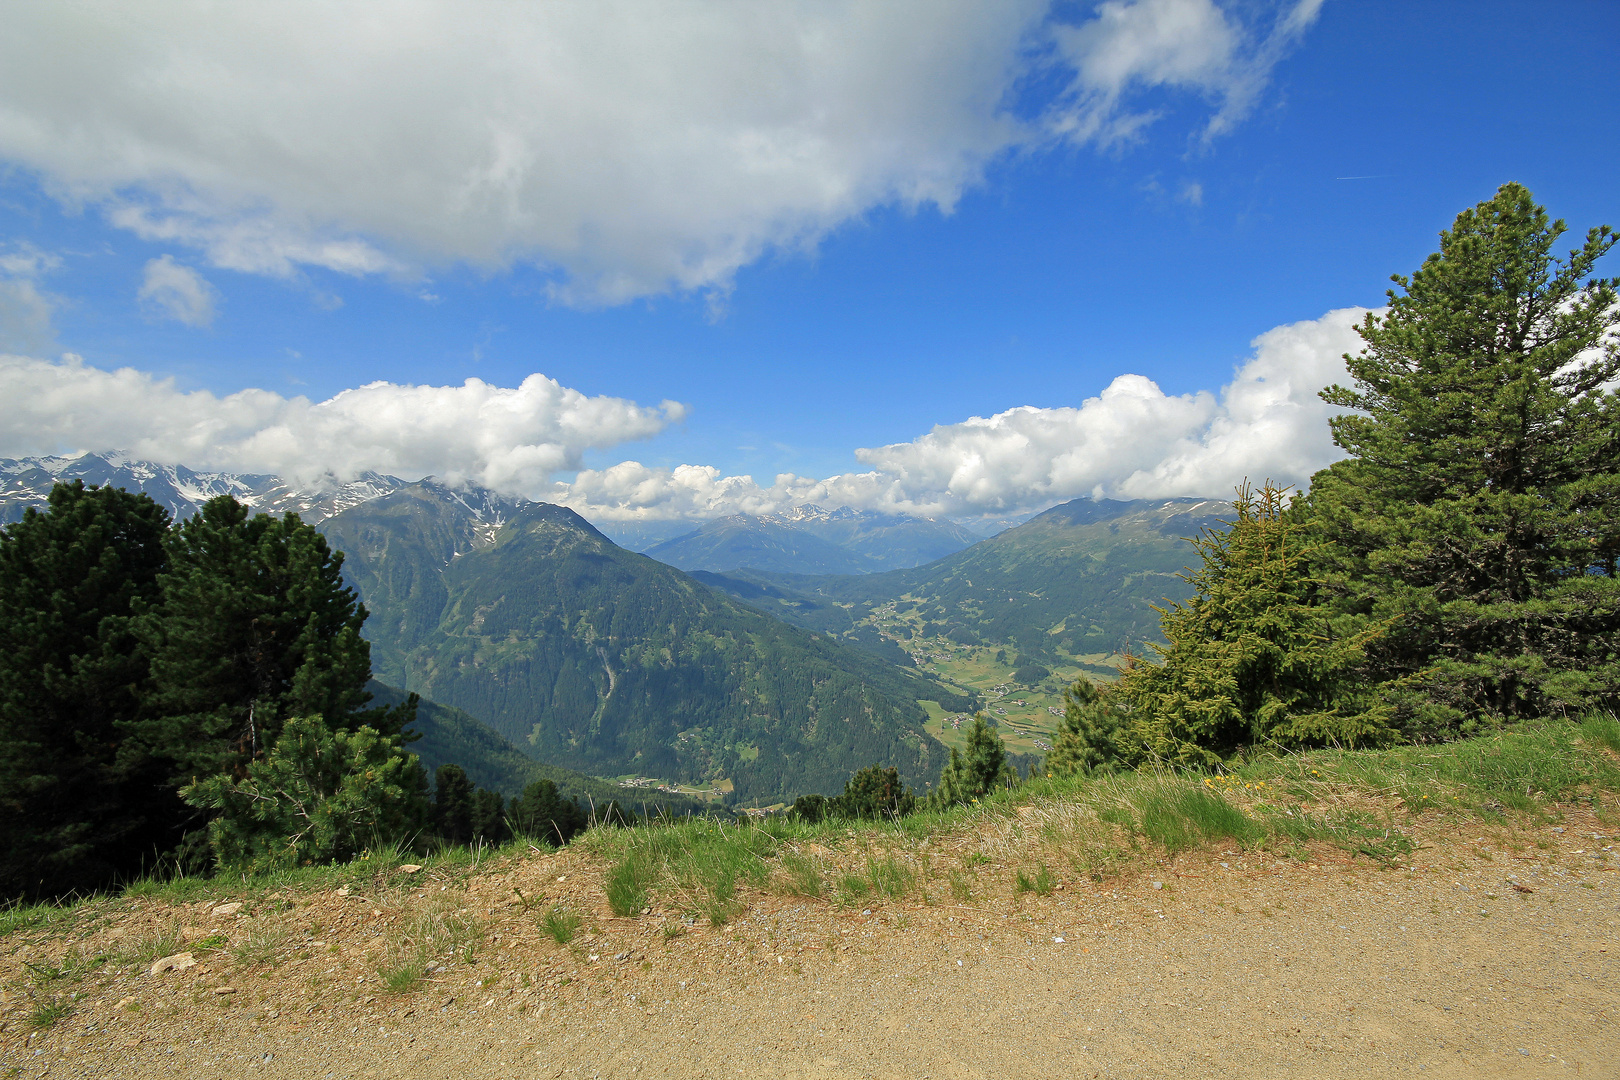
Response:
column 1487, row 956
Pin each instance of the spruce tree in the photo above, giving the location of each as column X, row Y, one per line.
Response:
column 1478, row 512
column 79, row 806
column 1093, row 735
column 969, row 777
column 1252, row 657
column 255, row 626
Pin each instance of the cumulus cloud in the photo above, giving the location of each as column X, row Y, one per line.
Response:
column 25, row 308
column 172, row 291
column 627, row 148
column 1131, row 441
column 513, row 439
column 1182, row 44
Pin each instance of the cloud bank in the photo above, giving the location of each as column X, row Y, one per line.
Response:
column 1131, row 441
column 627, row 148
column 513, row 439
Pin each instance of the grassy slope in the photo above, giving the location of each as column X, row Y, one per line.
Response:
column 1360, row 804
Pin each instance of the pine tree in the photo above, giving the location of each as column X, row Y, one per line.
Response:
column 1252, row 655
column 317, row 796
column 453, row 804
column 970, row 776
column 811, row 808
column 1478, row 511
column 79, row 807
column 489, row 817
column 873, row 792
column 255, row 626
column 541, row 813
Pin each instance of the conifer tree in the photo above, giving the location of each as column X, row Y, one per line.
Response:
column 541, row 813
column 255, row 626
column 1252, row 655
column 970, row 776
column 1093, row 735
column 318, row 796
column 1478, row 511
column 489, row 816
column 79, row 807
column 873, row 792
column 453, row 804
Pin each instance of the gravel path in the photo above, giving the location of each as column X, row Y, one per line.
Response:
column 1489, row 956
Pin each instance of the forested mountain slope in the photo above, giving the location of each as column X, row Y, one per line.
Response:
column 450, row 735
column 613, row 663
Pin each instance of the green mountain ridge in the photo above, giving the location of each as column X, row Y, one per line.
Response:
column 612, row 663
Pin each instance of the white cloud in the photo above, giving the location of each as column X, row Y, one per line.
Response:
column 1132, row 441
column 628, row 148
column 177, row 292
column 1182, row 44
column 25, row 309
column 513, row 439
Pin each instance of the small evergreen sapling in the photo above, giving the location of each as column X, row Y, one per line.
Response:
column 1094, row 734
column 318, row 796
column 970, row 776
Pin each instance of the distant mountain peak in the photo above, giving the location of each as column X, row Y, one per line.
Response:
column 26, row 482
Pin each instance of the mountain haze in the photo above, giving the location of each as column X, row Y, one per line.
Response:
column 811, row 540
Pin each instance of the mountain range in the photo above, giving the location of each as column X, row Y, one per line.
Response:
column 612, row 663
column 811, row 540
column 746, row 673
column 26, row 482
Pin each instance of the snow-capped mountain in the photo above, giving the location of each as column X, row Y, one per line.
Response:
column 812, row 540
column 26, row 482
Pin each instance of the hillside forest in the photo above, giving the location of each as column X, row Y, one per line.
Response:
column 199, row 696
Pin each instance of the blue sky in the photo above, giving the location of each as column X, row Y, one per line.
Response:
column 1151, row 187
